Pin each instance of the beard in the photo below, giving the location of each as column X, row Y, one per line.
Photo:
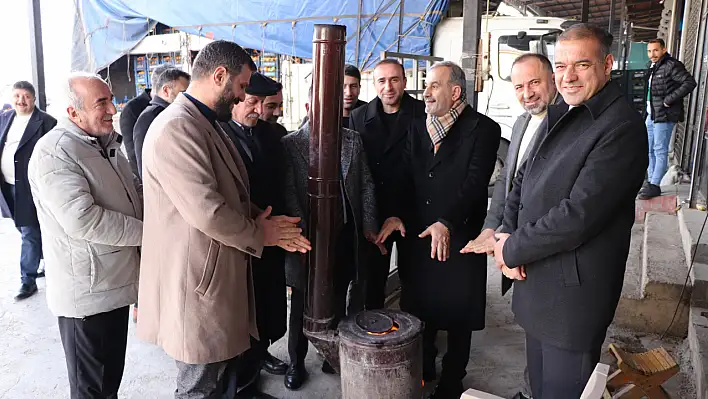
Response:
column 226, row 101
column 539, row 108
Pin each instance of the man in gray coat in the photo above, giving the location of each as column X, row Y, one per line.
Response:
column 532, row 77
column 359, row 224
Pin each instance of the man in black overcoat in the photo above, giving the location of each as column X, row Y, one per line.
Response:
column 569, row 216
column 259, row 146
column 385, row 125
column 450, row 157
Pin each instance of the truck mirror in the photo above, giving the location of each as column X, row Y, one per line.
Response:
column 538, row 47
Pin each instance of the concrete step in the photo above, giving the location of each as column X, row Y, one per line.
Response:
column 654, row 279
column 691, row 221
column 698, row 343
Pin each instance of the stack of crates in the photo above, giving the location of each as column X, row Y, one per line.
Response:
column 637, row 86
column 634, row 85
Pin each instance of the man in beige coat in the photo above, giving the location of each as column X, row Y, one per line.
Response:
column 200, row 230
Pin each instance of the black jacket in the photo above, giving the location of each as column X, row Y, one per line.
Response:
column 128, row 117
column 670, row 83
column 266, row 173
column 25, row 213
column 570, row 215
column 157, row 105
column 450, row 187
column 385, row 150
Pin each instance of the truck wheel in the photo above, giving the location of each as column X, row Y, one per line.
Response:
column 501, row 158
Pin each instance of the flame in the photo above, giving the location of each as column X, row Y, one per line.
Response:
column 392, row 329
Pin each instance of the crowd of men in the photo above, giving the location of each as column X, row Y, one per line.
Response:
column 204, row 224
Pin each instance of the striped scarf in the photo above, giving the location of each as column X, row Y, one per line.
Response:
column 438, row 127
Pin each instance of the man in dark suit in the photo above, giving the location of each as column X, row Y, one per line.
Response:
column 273, row 108
column 535, row 88
column 385, row 125
column 358, row 230
column 19, row 131
column 451, row 157
column 166, row 86
column 259, row 145
column 569, row 216
column 129, row 116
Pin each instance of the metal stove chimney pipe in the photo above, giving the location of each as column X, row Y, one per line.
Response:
column 323, row 186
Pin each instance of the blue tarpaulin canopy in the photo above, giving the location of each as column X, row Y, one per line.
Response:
column 105, row 30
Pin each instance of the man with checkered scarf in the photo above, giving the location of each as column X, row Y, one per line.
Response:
column 451, row 157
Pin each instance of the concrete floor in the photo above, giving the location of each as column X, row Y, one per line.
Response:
column 32, row 360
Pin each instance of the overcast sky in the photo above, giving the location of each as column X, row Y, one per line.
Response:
column 57, row 24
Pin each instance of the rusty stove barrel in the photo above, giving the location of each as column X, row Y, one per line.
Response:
column 323, row 186
column 381, row 351
column 380, row 354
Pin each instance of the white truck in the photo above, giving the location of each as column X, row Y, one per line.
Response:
column 504, row 39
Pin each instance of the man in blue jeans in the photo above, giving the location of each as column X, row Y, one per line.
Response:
column 20, row 129
column 669, row 83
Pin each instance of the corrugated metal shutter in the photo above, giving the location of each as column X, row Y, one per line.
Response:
column 683, row 140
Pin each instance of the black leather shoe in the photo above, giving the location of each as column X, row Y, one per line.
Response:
column 651, row 191
column 273, row 365
column 327, row 368
column 521, row 395
column 26, row 291
column 448, row 391
column 429, row 373
column 295, row 377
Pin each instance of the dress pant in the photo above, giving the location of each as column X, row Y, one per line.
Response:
column 454, row 363
column 297, row 342
column 95, row 353
column 557, row 373
column 31, row 250
column 220, row 380
column 378, row 270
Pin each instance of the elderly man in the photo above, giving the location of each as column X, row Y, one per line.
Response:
column 452, row 157
column 90, row 215
column 258, row 143
column 201, row 230
column 273, row 108
column 568, row 218
column 166, row 87
column 385, row 125
column 532, row 77
column 20, row 130
column 357, row 224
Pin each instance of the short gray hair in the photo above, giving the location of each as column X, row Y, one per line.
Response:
column 457, row 75
column 585, row 31
column 168, row 77
column 74, row 99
